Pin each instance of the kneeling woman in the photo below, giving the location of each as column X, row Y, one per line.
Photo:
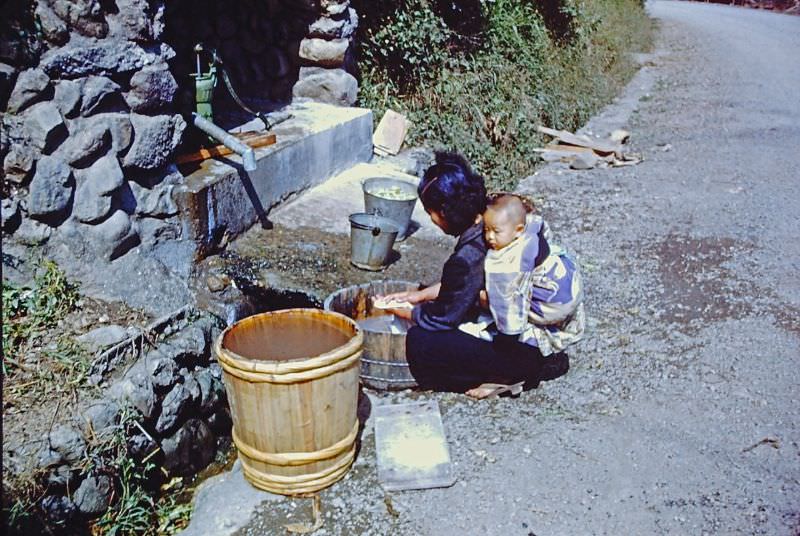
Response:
column 440, row 355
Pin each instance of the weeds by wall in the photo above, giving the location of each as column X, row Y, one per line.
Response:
column 478, row 76
column 103, row 445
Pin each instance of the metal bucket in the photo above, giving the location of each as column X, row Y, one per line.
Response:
column 398, row 210
column 383, row 363
column 371, row 240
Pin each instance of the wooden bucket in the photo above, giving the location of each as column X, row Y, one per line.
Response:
column 292, row 382
column 383, row 365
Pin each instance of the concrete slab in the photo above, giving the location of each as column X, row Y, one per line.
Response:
column 219, row 198
column 328, row 205
column 225, row 503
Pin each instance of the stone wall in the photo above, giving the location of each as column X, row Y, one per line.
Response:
column 327, row 54
column 167, row 405
column 89, row 132
column 94, row 115
column 265, row 46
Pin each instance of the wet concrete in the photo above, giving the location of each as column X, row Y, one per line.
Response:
column 218, row 197
column 317, row 262
column 328, row 205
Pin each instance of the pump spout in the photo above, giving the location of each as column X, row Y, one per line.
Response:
column 229, row 141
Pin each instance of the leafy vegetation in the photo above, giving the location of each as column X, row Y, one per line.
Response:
column 42, row 362
column 29, row 311
column 142, row 507
column 478, row 76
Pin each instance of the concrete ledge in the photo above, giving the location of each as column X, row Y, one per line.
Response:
column 320, row 141
column 328, row 205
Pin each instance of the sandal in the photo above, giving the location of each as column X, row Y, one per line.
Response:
column 493, row 390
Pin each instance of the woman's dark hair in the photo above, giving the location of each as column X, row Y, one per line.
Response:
column 451, row 188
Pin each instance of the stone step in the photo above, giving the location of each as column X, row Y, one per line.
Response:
column 220, row 199
column 328, row 205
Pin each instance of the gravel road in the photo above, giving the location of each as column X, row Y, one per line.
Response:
column 681, row 412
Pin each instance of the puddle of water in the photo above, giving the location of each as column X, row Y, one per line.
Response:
column 697, row 282
column 247, row 275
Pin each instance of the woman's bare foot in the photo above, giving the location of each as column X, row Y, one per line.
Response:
column 493, row 390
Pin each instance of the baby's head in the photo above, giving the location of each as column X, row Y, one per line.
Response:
column 504, row 220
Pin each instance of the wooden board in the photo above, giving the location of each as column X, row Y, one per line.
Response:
column 253, row 139
column 411, row 447
column 567, row 148
column 391, row 131
column 569, row 138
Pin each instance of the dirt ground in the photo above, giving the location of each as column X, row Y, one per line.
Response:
column 680, row 413
column 44, row 390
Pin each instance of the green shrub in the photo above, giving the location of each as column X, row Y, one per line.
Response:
column 140, row 507
column 482, row 87
column 29, row 311
column 410, row 43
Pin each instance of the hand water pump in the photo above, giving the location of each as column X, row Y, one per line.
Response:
column 206, row 82
column 203, row 115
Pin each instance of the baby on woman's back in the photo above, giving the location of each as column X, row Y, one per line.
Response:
column 534, row 290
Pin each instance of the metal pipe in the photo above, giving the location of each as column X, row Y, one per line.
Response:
column 229, row 141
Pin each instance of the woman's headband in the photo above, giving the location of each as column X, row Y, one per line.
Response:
column 422, row 193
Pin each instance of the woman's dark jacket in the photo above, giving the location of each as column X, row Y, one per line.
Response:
column 462, row 280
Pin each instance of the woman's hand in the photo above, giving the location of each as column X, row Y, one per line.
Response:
column 412, row 296
column 404, row 313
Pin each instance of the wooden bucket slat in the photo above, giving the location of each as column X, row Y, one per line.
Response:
column 294, row 420
column 319, row 480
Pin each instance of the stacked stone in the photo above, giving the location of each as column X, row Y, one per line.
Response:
column 175, row 394
column 253, row 38
column 265, row 45
column 327, row 56
column 89, row 132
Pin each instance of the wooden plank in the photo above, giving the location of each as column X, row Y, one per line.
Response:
column 391, row 132
column 255, row 141
column 411, row 447
column 567, row 148
column 556, row 156
column 569, row 138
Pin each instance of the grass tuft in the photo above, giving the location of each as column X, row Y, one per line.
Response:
column 141, row 508
column 28, row 312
